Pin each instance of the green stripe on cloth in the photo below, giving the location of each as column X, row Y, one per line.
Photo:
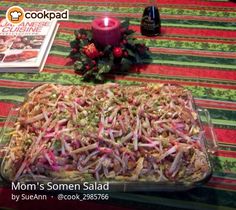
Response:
column 12, row 91
column 223, row 114
column 227, row 26
column 224, row 164
column 213, row 93
column 192, row 12
column 155, row 43
column 120, row 9
column 182, row 78
column 198, row 92
column 212, row 39
column 177, row 61
column 224, row 122
column 224, row 174
column 170, row 59
column 76, row 8
column 69, row 69
column 200, row 26
column 183, row 60
column 2, row 119
column 12, row 98
column 43, row 77
column 168, row 22
column 165, row 22
column 224, row 126
column 227, row 147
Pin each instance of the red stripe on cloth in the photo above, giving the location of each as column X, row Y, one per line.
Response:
column 98, row 4
column 18, row 84
column 206, row 103
column 197, row 2
column 200, row 53
column 1, row 125
column 185, row 71
column 183, row 37
column 74, row 25
column 226, row 135
column 5, row 108
column 139, row 79
column 224, row 180
column 160, row 2
column 167, row 30
column 222, row 186
column 199, row 32
column 202, row 84
column 62, row 43
column 193, row 38
column 86, row 1
column 56, row 71
column 162, row 70
column 202, row 18
column 163, row 16
column 226, row 153
column 54, row 60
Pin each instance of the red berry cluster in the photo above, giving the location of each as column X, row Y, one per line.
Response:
column 117, row 52
column 81, row 36
column 94, row 61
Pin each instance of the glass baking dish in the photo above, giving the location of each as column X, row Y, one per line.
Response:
column 207, row 143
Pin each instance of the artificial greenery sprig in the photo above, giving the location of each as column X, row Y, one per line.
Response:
column 94, row 61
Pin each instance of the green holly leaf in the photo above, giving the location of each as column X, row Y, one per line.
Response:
column 78, row 65
column 138, row 58
column 131, row 53
column 84, row 42
column 74, row 44
column 76, row 32
column 137, row 42
column 83, row 31
column 75, row 56
column 125, row 61
column 110, row 61
column 99, row 77
column 89, row 35
column 107, row 50
column 125, row 64
column 83, row 58
column 103, row 68
column 130, row 43
column 146, row 54
column 125, row 24
column 129, row 32
column 88, row 74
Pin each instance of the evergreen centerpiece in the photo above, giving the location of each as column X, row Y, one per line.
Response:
column 94, row 61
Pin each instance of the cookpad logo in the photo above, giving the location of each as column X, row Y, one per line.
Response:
column 16, row 15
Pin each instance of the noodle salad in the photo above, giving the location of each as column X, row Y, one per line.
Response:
column 107, row 132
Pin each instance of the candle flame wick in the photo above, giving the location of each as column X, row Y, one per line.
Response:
column 106, row 21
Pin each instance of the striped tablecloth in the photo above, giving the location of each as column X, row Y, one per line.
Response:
column 197, row 49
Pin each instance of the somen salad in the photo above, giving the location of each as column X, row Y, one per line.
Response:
column 107, row 132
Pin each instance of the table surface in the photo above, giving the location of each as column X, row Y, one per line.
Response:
column 197, row 49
